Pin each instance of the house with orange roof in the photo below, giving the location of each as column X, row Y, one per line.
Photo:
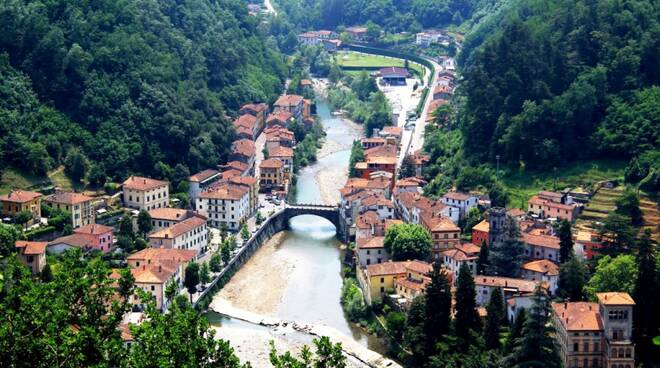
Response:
column 596, row 334
column 200, row 181
column 413, row 284
column 444, row 233
column 370, row 250
column 410, row 206
column 100, row 236
column 77, row 204
column 32, row 254
column 143, row 193
column 191, row 233
column 277, row 136
column 410, row 185
column 419, row 160
column 463, row 201
column 64, row 243
column 271, row 175
column 241, row 167
column 552, row 205
column 293, row 104
column 377, row 280
column 284, row 154
column 542, row 270
column 509, row 287
column 244, row 150
column 227, row 204
column 480, row 233
column 368, row 225
column 17, row 201
column 162, row 218
column 463, row 253
column 246, row 127
column 378, row 203
column 258, row 110
column 442, row 92
column 153, row 279
column 279, row 118
column 252, row 185
column 541, row 246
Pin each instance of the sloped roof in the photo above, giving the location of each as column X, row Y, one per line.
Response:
column 543, row 266
column 203, row 175
column 615, row 298
column 19, row 196
column 68, row 198
column 31, row 247
column 578, row 316
column 166, row 213
column 180, row 228
column 93, row 229
column 142, row 183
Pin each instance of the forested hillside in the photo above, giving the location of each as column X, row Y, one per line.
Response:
column 135, row 85
column 549, row 82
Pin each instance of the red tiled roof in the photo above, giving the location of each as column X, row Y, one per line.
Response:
column 244, row 147
column 388, row 150
column 374, row 242
column 93, row 229
column 19, row 196
column 74, row 240
column 166, row 213
column 237, row 165
column 615, row 298
column 281, row 116
column 180, row 228
column 203, row 175
column 256, row 108
column 438, row 223
column 367, row 219
column 542, row 266
column 392, row 130
column 68, row 198
column 271, row 163
column 457, row 196
column 522, row 285
column 153, row 274
column 30, row 247
column 163, row 254
column 243, row 180
column 545, row 241
column 226, row 191
column 280, row 151
column 246, row 120
column 420, row 267
column 578, row 316
column 393, row 71
column 142, row 183
column 289, row 100
column 387, row 268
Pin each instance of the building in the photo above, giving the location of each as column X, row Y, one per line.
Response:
column 67, row 242
column 332, row 45
column 377, row 280
column 32, row 254
column 240, row 167
column 426, row 38
column 444, row 233
column 278, row 136
column 544, row 271
column 18, row 201
column 190, row 233
column 284, row 154
column 463, row 253
column 99, row 236
column 378, row 203
column 370, row 250
column 507, row 285
column 200, row 181
column 227, row 204
column 394, row 76
column 309, row 38
column 244, row 150
column 357, row 33
column 280, row 119
column 162, row 218
column 419, row 160
column 463, row 201
column 142, row 193
column 252, row 185
column 410, row 207
column 596, row 334
column 409, row 185
column 271, row 175
column 368, row 225
column 442, row 92
column 480, row 233
column 552, row 205
column 541, row 246
column 413, row 284
column 258, row 110
column 292, row 104
column 78, row 205
column 497, row 220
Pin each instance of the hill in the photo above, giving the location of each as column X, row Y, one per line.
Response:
column 132, row 85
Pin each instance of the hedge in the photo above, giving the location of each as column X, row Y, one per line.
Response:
column 32, row 234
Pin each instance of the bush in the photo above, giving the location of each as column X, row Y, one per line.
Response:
column 36, row 233
column 352, row 300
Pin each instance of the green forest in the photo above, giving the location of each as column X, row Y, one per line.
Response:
column 131, row 85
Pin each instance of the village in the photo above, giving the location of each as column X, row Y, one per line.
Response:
column 228, row 204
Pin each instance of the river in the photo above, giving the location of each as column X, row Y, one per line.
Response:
column 300, row 274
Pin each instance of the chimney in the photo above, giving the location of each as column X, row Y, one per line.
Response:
column 144, row 267
column 565, row 305
column 589, row 306
column 160, row 268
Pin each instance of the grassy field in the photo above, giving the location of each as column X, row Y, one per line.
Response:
column 16, row 179
column 358, row 59
column 523, row 185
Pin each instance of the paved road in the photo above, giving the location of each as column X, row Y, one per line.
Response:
column 417, row 137
column 269, row 7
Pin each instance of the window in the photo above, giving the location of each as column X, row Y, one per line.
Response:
column 576, row 347
column 585, row 348
column 382, row 280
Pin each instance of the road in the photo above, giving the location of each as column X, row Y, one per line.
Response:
column 269, row 7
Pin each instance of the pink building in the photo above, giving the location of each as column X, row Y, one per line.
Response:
column 99, row 236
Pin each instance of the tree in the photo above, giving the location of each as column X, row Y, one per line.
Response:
column 75, row 165
column 407, row 241
column 505, row 256
column 23, row 217
column 396, row 324
column 328, row 355
column 572, row 277
column 613, row 274
column 46, row 274
column 97, row 176
column 357, row 155
column 126, row 226
column 414, row 338
column 537, row 347
column 565, row 241
column 59, row 218
column 191, row 279
column 515, row 333
column 225, row 253
column 482, row 262
column 245, row 232
column 618, row 235
column 171, row 290
column 216, row 262
column 628, row 205
column 467, row 319
column 438, row 308
column 205, row 274
column 646, row 321
column 407, row 169
column 144, row 222
column 259, row 218
column 495, row 315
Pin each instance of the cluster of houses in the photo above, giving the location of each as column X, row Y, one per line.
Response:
column 443, row 90
column 431, row 36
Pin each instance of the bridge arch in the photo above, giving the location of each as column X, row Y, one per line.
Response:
column 328, row 212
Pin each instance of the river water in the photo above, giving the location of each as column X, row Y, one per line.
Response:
column 313, row 287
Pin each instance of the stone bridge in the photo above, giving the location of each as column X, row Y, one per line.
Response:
column 328, row 212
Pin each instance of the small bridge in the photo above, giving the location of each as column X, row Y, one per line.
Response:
column 328, row 212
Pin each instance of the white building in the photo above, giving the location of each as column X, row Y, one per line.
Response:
column 162, row 218
column 542, row 270
column 145, row 193
column 227, row 204
column 370, row 250
column 463, row 201
column 200, row 181
column 191, row 233
column 508, row 286
column 467, row 253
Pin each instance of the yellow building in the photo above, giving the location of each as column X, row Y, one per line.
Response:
column 376, row 279
column 78, row 205
column 18, row 201
column 271, row 174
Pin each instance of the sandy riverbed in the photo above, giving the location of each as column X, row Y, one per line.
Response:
column 249, row 290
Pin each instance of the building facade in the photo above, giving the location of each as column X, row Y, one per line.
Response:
column 142, row 193
column 191, row 233
column 78, row 205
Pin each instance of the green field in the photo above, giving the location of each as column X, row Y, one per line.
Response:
column 368, row 61
column 16, row 179
column 523, row 185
